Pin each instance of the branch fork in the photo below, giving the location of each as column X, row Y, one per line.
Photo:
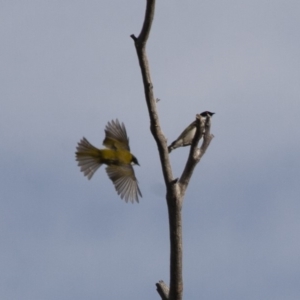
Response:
column 175, row 188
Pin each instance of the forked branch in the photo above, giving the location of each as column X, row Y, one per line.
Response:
column 175, row 189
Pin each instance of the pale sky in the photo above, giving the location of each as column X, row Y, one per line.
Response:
column 69, row 67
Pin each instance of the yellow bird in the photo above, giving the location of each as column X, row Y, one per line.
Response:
column 117, row 157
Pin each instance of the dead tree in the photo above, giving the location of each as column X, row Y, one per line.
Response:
column 175, row 187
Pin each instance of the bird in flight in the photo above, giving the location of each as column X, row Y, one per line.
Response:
column 116, row 156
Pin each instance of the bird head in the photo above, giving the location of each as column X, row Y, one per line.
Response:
column 134, row 160
column 207, row 113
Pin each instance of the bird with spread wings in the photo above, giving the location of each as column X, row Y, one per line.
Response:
column 116, row 156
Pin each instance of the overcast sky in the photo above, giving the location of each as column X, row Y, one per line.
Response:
column 69, row 67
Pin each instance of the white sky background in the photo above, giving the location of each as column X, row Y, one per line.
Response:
column 69, row 67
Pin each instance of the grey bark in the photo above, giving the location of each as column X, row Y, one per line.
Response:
column 175, row 188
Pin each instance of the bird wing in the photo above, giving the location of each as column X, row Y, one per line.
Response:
column 185, row 138
column 125, row 182
column 188, row 130
column 116, row 136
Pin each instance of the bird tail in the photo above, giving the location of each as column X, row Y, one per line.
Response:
column 180, row 142
column 88, row 157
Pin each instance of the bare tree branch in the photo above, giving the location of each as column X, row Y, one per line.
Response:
column 163, row 290
column 174, row 200
column 175, row 189
column 140, row 45
column 149, row 15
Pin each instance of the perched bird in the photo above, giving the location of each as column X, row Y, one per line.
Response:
column 186, row 137
column 116, row 156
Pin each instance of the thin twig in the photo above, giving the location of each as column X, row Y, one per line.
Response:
column 163, row 290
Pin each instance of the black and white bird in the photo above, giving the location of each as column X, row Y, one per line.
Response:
column 186, row 137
